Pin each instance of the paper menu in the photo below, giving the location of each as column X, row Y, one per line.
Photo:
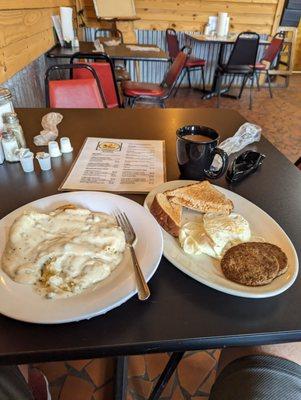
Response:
column 118, row 165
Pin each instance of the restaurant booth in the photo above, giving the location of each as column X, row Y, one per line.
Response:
column 149, row 202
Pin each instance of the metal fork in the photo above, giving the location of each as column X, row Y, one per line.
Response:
column 130, row 237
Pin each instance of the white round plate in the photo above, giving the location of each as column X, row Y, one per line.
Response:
column 207, row 270
column 23, row 303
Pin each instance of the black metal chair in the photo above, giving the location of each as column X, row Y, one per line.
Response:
column 121, row 73
column 241, row 62
column 113, row 33
column 153, row 92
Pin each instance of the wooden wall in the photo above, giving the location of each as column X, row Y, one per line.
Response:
column 25, row 32
column 191, row 15
column 297, row 64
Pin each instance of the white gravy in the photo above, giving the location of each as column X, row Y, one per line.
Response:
column 63, row 252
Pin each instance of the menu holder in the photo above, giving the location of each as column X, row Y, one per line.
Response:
column 117, row 165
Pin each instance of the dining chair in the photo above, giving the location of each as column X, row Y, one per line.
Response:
column 73, row 93
column 241, row 62
column 154, row 92
column 192, row 63
column 104, row 69
column 271, row 53
column 113, row 34
column 121, row 73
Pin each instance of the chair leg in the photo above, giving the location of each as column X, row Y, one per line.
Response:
column 257, row 81
column 178, row 86
column 188, row 76
column 162, row 104
column 269, row 83
column 244, row 80
column 133, row 102
column 218, row 87
column 203, row 79
column 251, row 91
column 231, row 82
column 126, row 102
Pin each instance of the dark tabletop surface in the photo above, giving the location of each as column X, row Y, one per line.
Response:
column 215, row 39
column 120, row 52
column 181, row 314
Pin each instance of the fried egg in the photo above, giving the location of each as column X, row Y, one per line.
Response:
column 214, row 235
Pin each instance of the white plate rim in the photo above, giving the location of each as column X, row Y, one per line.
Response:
column 234, row 292
column 158, row 240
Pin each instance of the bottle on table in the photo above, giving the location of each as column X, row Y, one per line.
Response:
column 11, row 122
column 10, row 145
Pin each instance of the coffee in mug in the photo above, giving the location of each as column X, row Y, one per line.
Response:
column 196, row 149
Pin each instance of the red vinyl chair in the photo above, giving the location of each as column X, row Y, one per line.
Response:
column 192, row 63
column 105, row 73
column 153, row 92
column 73, row 93
column 271, row 52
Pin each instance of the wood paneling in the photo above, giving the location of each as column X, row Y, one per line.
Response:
column 192, row 15
column 25, row 32
column 297, row 65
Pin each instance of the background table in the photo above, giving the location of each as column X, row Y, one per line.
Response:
column 222, row 42
column 181, row 314
column 120, row 52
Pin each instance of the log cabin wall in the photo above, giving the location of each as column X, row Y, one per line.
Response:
column 25, row 32
column 191, row 15
column 297, row 66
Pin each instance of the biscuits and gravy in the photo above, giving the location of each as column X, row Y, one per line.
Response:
column 63, row 252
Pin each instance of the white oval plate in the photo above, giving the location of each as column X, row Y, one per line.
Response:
column 21, row 302
column 207, row 270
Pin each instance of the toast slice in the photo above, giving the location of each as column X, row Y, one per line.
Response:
column 201, row 196
column 168, row 215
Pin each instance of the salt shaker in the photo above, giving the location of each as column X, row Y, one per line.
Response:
column 6, row 104
column 10, row 145
column 11, row 122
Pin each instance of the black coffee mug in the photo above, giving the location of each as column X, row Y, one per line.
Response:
column 196, row 148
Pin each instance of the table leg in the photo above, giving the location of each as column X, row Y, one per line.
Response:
column 166, row 375
column 138, row 72
column 213, row 91
column 121, row 376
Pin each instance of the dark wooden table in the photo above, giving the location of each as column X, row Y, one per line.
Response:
column 181, row 314
column 120, row 52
